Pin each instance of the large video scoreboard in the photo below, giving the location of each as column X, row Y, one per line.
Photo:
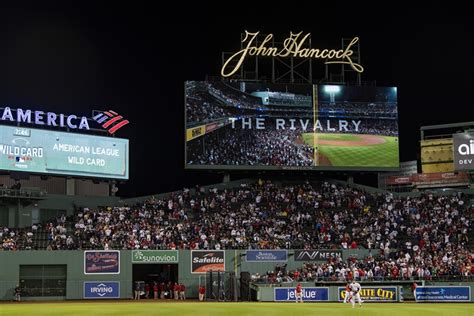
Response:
column 52, row 152
column 243, row 125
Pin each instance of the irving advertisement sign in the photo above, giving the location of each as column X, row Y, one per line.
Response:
column 206, row 260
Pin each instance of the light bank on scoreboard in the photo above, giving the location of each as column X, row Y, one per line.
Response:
column 51, row 152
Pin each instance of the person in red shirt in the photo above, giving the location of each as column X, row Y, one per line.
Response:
column 202, row 291
column 147, row 290
column 347, row 294
column 182, row 290
column 176, row 289
column 296, row 275
column 155, row 290
column 299, row 293
column 162, row 290
column 349, row 275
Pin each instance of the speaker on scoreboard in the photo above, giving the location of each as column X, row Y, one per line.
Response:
column 245, row 286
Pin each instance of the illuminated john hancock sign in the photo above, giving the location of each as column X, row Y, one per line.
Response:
column 51, row 152
column 293, row 46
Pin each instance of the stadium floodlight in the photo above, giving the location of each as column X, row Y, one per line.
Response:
column 332, row 89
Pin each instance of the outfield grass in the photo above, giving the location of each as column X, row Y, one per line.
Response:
column 377, row 155
column 247, row 309
column 345, row 137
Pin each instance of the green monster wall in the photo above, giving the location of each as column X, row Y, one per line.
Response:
column 235, row 261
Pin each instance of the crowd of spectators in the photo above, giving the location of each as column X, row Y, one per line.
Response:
column 360, row 109
column 202, row 107
column 206, row 102
column 214, row 100
column 257, row 147
column 265, row 215
column 17, row 239
column 422, row 236
column 234, row 146
column 408, row 264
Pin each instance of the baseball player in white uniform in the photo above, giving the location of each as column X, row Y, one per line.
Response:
column 355, row 289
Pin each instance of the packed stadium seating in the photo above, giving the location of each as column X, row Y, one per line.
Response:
column 263, row 147
column 426, row 236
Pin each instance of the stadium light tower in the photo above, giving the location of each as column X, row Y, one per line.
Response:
column 332, row 90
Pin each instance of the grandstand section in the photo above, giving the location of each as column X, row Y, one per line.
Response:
column 330, row 232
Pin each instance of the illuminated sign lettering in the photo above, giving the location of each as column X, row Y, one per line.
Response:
column 292, row 47
column 109, row 120
column 42, row 118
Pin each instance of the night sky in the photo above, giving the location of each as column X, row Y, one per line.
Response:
column 134, row 59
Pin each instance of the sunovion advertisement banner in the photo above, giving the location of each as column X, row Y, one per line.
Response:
column 155, row 256
column 52, row 152
column 463, row 151
column 101, row 262
column 101, row 290
column 443, row 294
column 373, row 293
column 206, row 260
column 310, row 294
column 266, row 255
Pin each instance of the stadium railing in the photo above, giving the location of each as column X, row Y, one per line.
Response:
column 459, row 278
column 22, row 193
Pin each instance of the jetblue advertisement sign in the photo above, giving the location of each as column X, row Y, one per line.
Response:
column 443, row 294
column 101, row 290
column 266, row 255
column 310, row 294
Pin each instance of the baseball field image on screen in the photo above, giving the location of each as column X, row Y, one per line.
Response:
column 277, row 126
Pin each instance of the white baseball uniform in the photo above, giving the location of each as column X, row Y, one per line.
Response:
column 355, row 288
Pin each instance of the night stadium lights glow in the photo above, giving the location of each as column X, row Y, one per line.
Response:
column 292, row 47
column 332, row 89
